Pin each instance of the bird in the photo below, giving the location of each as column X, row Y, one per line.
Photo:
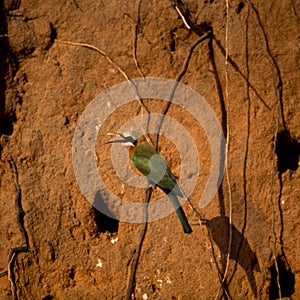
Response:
column 152, row 165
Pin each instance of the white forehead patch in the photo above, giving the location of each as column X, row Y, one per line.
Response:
column 134, row 134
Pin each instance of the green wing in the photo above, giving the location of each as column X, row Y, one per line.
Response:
column 141, row 158
column 154, row 167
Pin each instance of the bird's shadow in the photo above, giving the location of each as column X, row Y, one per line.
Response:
column 240, row 250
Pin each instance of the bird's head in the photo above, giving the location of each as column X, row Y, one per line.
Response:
column 128, row 139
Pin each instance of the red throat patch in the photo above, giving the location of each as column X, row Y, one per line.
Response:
column 128, row 147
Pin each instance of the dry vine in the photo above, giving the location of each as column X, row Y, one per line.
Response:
column 277, row 84
column 13, row 253
column 131, row 285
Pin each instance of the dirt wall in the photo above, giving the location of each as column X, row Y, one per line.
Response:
column 54, row 244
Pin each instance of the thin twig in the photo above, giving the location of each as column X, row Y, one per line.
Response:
column 20, row 221
column 273, row 205
column 293, row 8
column 76, row 4
column 10, row 273
column 3, row 273
column 197, row 213
column 131, row 83
column 278, row 88
column 182, row 12
column 236, row 68
column 275, row 71
column 136, row 258
column 92, row 47
column 227, row 145
column 135, row 30
column 246, row 154
column 221, row 287
column 177, row 80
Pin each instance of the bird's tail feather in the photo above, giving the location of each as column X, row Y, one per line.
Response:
column 180, row 213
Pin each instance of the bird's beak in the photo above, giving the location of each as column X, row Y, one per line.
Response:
column 119, row 135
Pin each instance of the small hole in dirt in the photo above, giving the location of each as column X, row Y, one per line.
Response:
column 286, row 280
column 173, row 39
column 67, row 121
column 240, row 7
column 53, row 36
column 172, row 45
column 105, row 223
column 287, row 150
column 72, row 273
column 6, row 124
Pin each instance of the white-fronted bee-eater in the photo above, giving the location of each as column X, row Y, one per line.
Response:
column 152, row 165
